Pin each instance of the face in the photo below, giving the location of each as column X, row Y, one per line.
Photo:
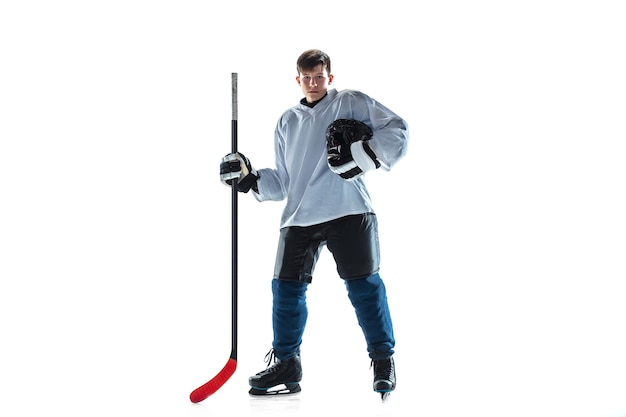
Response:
column 314, row 82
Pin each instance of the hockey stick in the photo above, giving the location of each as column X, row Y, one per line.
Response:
column 204, row 391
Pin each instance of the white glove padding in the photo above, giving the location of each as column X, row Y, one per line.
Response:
column 237, row 166
column 353, row 161
column 364, row 156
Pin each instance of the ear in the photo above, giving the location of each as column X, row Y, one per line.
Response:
column 330, row 78
column 298, row 79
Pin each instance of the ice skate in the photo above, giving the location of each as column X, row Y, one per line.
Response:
column 384, row 377
column 281, row 378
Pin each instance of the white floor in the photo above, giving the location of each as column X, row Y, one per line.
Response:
column 141, row 354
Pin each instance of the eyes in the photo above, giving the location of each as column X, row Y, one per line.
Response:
column 307, row 78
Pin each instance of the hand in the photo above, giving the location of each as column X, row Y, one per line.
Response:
column 351, row 161
column 349, row 154
column 237, row 166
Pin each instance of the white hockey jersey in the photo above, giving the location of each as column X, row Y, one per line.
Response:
column 314, row 193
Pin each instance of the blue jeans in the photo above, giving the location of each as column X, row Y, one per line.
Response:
column 368, row 297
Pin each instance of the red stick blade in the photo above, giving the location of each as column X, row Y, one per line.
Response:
column 204, row 391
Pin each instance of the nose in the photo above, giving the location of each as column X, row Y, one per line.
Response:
column 312, row 82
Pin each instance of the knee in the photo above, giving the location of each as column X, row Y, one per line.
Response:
column 366, row 288
column 285, row 288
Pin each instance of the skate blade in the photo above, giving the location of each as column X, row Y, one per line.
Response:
column 277, row 391
column 385, row 396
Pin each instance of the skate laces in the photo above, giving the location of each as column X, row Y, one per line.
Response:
column 273, row 363
column 270, row 358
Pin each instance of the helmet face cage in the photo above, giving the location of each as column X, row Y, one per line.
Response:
column 345, row 132
column 334, row 140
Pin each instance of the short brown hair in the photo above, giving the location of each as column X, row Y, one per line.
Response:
column 311, row 59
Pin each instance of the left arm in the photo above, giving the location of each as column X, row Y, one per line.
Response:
column 390, row 132
column 351, row 151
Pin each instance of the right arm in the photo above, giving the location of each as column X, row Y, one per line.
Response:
column 275, row 182
column 267, row 184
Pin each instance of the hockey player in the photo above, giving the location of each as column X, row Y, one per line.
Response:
column 327, row 204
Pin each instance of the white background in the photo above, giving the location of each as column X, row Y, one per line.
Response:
column 502, row 231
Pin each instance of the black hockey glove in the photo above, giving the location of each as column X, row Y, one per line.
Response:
column 349, row 154
column 236, row 165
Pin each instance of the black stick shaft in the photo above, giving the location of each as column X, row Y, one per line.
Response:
column 234, row 288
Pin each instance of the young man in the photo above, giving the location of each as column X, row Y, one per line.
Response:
column 319, row 171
